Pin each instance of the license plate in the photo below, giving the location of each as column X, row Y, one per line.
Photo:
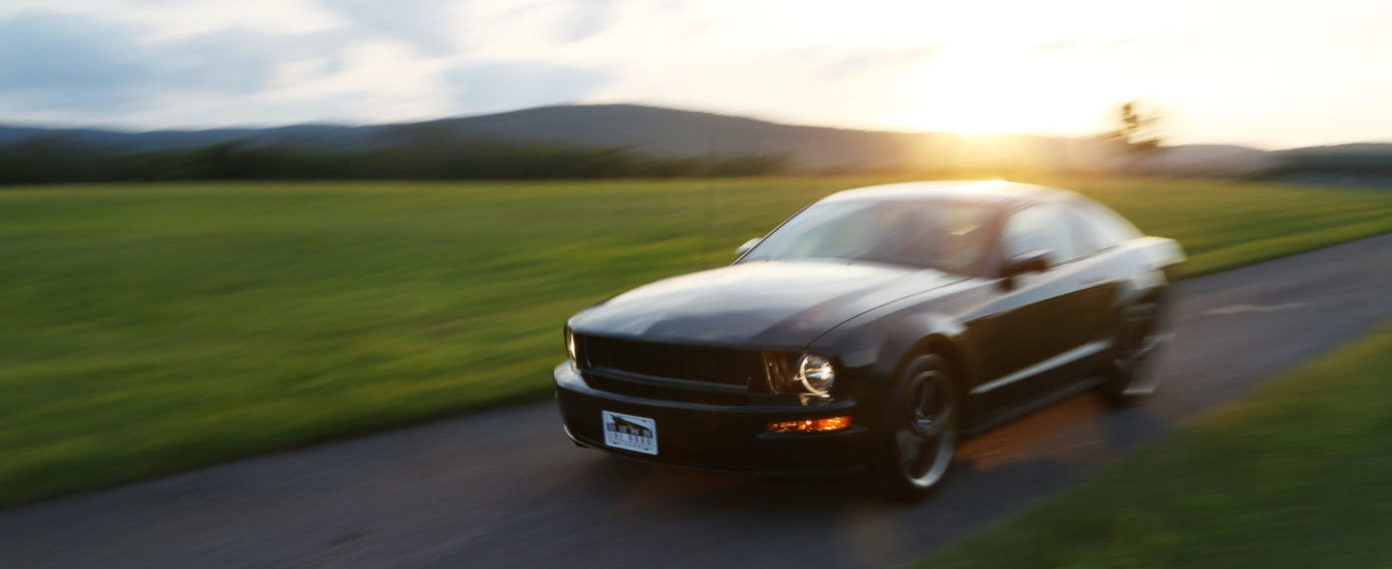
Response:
column 629, row 432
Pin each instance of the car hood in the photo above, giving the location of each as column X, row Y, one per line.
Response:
column 763, row 304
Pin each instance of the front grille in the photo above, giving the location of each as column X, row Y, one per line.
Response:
column 675, row 361
column 606, row 382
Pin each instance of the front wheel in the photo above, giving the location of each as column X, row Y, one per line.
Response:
column 919, row 436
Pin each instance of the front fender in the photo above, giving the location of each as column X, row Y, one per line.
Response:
column 914, row 332
column 872, row 351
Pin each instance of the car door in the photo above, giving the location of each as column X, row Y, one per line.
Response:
column 1099, row 277
column 1037, row 321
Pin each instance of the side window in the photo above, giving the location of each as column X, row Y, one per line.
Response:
column 1110, row 225
column 1040, row 228
column 1086, row 235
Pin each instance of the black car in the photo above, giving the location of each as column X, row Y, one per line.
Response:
column 872, row 330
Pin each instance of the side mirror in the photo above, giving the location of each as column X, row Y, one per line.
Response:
column 742, row 249
column 1031, row 262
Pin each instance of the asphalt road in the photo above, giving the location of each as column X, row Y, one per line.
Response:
column 505, row 489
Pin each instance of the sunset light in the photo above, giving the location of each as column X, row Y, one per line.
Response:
column 993, row 89
column 534, row 284
column 1220, row 70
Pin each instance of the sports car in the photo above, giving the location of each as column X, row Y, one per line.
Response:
column 872, row 331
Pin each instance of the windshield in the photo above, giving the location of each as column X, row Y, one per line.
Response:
column 927, row 234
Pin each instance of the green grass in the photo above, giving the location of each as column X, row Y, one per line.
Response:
column 154, row 328
column 1298, row 474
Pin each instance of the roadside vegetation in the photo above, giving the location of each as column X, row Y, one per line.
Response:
column 418, row 153
column 159, row 327
column 1294, row 475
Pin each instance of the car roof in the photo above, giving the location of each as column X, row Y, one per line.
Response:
column 995, row 192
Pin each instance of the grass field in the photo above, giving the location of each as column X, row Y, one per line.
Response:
column 149, row 329
column 1295, row 475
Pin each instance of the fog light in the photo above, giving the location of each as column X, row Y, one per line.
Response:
column 810, row 425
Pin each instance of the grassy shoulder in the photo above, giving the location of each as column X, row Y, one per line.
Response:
column 1297, row 474
column 155, row 328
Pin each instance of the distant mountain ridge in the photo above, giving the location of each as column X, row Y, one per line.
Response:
column 668, row 132
column 308, row 135
column 654, row 130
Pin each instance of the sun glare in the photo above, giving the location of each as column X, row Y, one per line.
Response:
column 991, row 89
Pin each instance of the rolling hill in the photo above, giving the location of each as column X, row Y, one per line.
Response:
column 668, row 132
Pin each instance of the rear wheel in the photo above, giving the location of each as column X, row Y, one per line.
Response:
column 1130, row 374
column 919, row 436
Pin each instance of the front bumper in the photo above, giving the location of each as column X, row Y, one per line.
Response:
column 731, row 438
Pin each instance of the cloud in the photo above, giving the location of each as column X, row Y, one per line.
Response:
column 866, row 63
column 233, row 61
column 426, row 25
column 72, row 62
column 1059, row 45
column 493, row 86
column 588, row 19
column 58, row 61
column 574, row 21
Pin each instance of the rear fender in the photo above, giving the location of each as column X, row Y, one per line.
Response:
column 1148, row 261
column 1159, row 253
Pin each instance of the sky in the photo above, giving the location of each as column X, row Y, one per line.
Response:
column 1269, row 73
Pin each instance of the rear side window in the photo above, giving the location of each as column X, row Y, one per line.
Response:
column 1086, row 234
column 1111, row 227
column 1040, row 228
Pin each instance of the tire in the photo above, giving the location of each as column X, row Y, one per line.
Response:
column 920, row 429
column 1130, row 374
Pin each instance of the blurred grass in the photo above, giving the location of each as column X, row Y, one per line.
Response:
column 153, row 328
column 1298, row 474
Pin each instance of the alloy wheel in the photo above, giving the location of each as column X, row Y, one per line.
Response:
column 927, row 435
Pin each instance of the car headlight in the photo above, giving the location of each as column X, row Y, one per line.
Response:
column 815, row 373
column 570, row 346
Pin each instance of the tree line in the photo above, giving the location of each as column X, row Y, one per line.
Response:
column 44, row 160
